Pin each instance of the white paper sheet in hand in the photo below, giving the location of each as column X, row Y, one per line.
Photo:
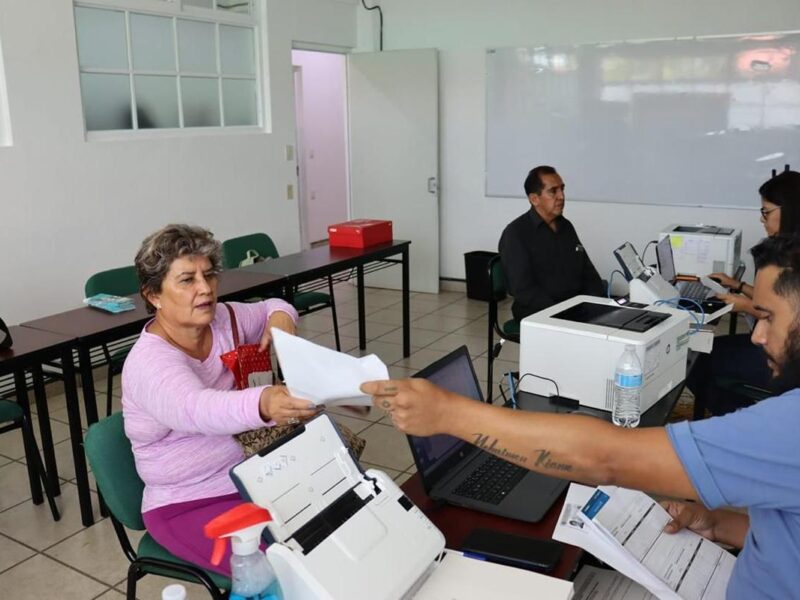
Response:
column 322, row 375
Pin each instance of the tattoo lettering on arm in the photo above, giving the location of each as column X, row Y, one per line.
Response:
column 484, row 442
column 544, row 460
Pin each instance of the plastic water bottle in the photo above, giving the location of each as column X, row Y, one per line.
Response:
column 627, row 389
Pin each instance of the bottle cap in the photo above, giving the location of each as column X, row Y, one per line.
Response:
column 174, row 592
column 244, row 546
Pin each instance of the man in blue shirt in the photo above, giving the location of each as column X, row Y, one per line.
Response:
column 748, row 459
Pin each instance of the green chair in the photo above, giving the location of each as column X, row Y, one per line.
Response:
column 235, row 250
column 122, row 281
column 13, row 416
column 508, row 331
column 111, row 458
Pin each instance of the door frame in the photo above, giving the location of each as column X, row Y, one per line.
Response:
column 300, row 154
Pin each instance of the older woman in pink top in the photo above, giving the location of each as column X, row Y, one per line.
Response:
column 179, row 401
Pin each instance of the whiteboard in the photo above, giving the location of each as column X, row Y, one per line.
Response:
column 694, row 122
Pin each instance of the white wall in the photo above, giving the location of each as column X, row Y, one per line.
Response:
column 324, row 141
column 69, row 207
column 463, row 29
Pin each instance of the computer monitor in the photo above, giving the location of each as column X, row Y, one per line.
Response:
column 666, row 261
column 453, row 372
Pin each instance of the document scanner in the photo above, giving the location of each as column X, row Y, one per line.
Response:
column 577, row 344
column 338, row 532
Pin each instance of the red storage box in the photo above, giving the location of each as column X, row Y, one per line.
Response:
column 359, row 233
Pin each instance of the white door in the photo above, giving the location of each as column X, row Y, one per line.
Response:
column 394, row 154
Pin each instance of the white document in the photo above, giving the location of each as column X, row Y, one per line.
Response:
column 322, row 375
column 606, row 584
column 460, row 578
column 708, row 317
column 692, row 567
column 572, row 528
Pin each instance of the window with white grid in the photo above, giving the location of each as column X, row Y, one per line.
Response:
column 168, row 64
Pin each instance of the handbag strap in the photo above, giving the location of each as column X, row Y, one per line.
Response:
column 234, row 325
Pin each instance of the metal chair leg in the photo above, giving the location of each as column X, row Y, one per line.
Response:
column 36, row 466
column 46, row 484
column 333, row 314
column 109, row 388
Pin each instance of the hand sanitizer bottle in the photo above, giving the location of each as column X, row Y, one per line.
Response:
column 252, row 577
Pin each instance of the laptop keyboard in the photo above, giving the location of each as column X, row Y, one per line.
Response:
column 491, row 481
column 694, row 290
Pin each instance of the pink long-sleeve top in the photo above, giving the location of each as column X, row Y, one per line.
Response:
column 180, row 412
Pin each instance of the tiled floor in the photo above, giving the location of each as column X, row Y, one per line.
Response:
column 43, row 559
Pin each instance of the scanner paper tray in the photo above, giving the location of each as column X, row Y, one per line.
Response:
column 300, row 476
column 340, row 532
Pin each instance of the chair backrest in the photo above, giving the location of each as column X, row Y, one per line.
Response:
column 111, row 457
column 235, row 249
column 497, row 278
column 122, row 281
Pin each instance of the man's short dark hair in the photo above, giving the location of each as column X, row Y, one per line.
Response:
column 782, row 251
column 533, row 182
column 784, row 190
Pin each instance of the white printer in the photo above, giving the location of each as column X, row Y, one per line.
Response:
column 577, row 344
column 339, row 532
column 703, row 249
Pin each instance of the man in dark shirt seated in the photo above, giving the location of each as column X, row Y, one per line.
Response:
column 543, row 259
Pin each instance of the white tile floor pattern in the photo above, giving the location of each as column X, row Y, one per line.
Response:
column 40, row 558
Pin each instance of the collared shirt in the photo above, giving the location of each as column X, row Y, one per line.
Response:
column 544, row 267
column 751, row 459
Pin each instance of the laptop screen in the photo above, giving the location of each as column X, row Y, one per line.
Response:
column 666, row 262
column 453, row 372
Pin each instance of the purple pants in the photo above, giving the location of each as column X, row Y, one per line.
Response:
column 179, row 528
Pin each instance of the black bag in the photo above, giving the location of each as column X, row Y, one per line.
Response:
column 5, row 336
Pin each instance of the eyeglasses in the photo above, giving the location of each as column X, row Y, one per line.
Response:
column 764, row 212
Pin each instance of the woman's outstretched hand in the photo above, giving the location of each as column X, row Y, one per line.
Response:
column 277, row 405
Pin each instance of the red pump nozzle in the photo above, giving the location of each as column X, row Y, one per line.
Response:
column 232, row 522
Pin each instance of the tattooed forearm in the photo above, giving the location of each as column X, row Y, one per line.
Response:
column 484, row 442
column 543, row 460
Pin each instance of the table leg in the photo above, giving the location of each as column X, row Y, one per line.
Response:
column 362, row 319
column 22, row 401
column 76, row 438
column 87, row 384
column 406, row 306
column 43, row 412
column 733, row 323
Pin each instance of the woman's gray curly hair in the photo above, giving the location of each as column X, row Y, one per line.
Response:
column 160, row 249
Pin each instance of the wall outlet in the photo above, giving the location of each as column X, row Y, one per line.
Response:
column 289, row 152
column 290, row 192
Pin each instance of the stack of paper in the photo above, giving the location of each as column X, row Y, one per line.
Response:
column 322, row 375
column 110, row 303
column 460, row 578
column 604, row 584
column 625, row 528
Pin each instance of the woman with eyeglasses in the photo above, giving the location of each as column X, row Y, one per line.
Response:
column 780, row 215
column 735, row 362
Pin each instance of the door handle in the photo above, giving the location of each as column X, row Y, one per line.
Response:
column 433, row 186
